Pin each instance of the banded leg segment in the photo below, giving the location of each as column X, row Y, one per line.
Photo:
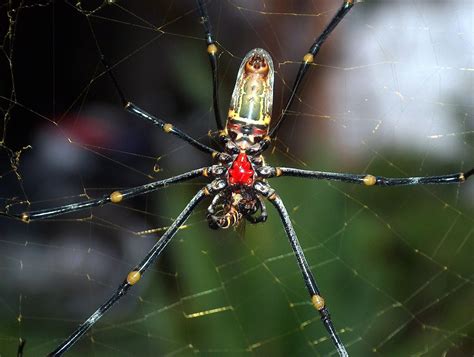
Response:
column 132, row 278
column 309, row 58
column 21, row 347
column 168, row 128
column 370, row 180
column 114, row 197
column 309, row 281
column 212, row 53
column 132, row 108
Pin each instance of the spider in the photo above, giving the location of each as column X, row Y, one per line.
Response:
column 239, row 176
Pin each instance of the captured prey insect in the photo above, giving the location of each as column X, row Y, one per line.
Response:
column 239, row 177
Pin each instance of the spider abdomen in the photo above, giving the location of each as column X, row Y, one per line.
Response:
column 250, row 109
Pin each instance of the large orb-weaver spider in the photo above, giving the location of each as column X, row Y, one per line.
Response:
column 240, row 174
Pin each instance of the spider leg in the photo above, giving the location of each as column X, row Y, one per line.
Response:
column 167, row 127
column 133, row 109
column 308, row 59
column 368, row 180
column 114, row 197
column 136, row 273
column 212, row 52
column 308, row 277
column 21, row 347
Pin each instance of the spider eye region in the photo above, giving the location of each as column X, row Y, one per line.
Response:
column 241, row 172
column 257, row 64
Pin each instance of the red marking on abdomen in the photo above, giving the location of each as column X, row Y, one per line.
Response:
column 241, row 172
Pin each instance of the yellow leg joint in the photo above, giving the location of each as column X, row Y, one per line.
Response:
column 116, row 197
column 212, row 49
column 133, row 277
column 25, row 217
column 167, row 128
column 369, row 180
column 461, row 177
column 308, row 58
column 318, row 302
column 272, row 197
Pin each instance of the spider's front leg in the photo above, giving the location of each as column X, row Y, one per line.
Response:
column 318, row 302
column 137, row 272
column 365, row 179
column 114, row 197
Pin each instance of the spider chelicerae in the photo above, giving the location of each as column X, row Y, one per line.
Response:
column 239, row 177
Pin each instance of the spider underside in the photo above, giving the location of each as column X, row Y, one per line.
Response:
column 239, row 178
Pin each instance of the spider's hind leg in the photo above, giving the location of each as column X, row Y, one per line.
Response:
column 309, row 280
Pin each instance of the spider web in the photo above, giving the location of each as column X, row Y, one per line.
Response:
column 390, row 94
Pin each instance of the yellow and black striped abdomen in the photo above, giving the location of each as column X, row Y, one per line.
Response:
column 251, row 105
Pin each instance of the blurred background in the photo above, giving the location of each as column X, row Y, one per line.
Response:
column 391, row 93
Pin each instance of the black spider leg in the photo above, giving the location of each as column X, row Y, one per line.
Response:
column 136, row 273
column 132, row 108
column 114, row 197
column 309, row 58
column 21, row 346
column 368, row 180
column 212, row 53
column 314, row 292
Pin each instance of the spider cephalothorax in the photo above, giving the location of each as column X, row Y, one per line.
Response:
column 239, row 199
